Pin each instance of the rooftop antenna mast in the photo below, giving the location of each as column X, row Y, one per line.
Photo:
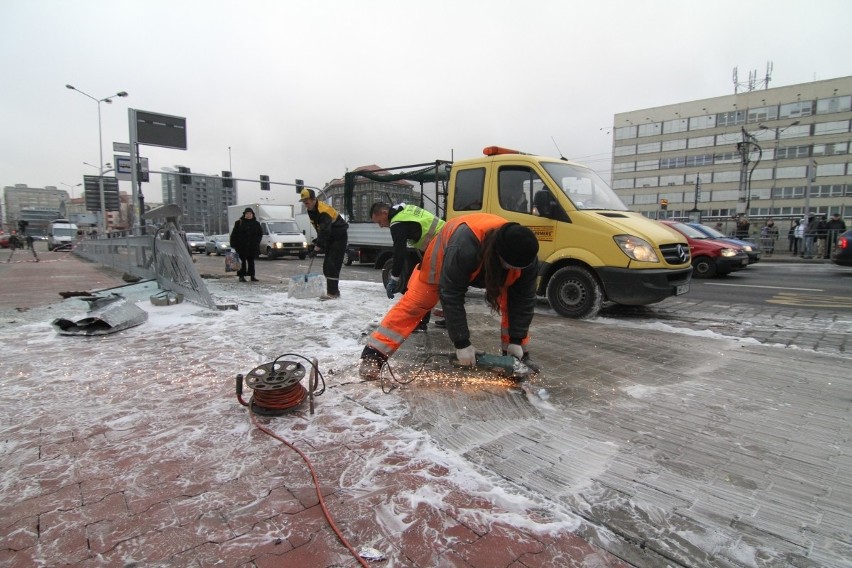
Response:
column 557, row 149
column 752, row 79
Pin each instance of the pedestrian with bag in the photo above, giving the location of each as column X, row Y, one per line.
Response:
column 245, row 239
column 332, row 238
column 479, row 250
column 410, row 226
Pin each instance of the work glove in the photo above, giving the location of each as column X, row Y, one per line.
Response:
column 392, row 286
column 467, row 356
column 515, row 351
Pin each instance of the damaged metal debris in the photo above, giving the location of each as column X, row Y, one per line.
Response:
column 107, row 314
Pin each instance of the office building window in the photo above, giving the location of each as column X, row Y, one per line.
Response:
column 647, row 182
column 670, row 145
column 791, row 172
column 701, row 122
column 834, row 104
column 648, row 148
column 702, row 141
column 796, row 110
column 701, row 160
column 651, row 129
column 676, row 125
column 836, row 127
column 763, row 114
column 727, row 195
column 647, row 165
column 831, row 170
column 623, row 184
column 730, row 118
column 668, row 163
column 793, row 152
column 625, row 150
column 728, row 158
column 761, row 174
column 646, row 199
column 624, row 167
column 795, row 131
column 723, row 177
column 625, row 132
column 671, row 180
column 835, row 149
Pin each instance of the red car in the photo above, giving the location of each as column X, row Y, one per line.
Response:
column 710, row 257
column 4, row 240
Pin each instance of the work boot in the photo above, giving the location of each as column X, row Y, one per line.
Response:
column 371, row 364
column 253, row 279
column 242, row 278
column 442, row 323
column 327, row 296
column 422, row 326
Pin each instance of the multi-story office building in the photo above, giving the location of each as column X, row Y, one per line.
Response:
column 762, row 153
column 38, row 206
column 203, row 199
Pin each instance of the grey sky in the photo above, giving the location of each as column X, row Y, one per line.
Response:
column 309, row 89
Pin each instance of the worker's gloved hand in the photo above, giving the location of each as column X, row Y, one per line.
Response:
column 515, row 351
column 466, row 356
column 392, row 286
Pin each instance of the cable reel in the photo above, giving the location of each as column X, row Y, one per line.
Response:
column 277, row 386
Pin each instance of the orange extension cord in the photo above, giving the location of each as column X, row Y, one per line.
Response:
column 282, row 400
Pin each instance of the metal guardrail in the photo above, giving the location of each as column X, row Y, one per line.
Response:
column 162, row 256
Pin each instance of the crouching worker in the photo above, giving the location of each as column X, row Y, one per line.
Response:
column 479, row 250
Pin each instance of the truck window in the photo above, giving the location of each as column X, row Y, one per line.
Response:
column 470, row 185
column 515, row 188
column 583, row 187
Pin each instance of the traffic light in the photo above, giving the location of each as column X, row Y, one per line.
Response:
column 664, row 204
column 227, row 182
column 22, row 225
column 264, row 183
column 300, row 185
column 185, row 180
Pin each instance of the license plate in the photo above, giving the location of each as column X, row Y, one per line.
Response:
column 682, row 289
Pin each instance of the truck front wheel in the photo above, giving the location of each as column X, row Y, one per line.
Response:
column 574, row 292
column 269, row 254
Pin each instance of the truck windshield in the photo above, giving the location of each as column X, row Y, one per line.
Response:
column 584, row 188
column 63, row 232
column 283, row 227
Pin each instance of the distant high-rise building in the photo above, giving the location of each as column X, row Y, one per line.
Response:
column 202, row 198
column 748, row 153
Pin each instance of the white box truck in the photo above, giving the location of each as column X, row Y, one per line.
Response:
column 61, row 234
column 281, row 234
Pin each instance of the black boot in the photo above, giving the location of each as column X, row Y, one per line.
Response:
column 242, row 278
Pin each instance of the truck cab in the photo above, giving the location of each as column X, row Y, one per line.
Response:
column 591, row 247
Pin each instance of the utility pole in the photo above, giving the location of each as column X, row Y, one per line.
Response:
column 742, row 147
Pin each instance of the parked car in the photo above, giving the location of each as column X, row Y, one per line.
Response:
column 196, row 242
column 842, row 253
column 4, row 240
column 710, row 257
column 218, row 245
column 751, row 249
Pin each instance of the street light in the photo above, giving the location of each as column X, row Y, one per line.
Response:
column 107, row 100
column 778, row 132
column 71, row 187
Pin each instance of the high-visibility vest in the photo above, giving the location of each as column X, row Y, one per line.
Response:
column 480, row 224
column 429, row 224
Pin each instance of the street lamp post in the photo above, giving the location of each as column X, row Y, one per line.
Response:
column 778, row 132
column 107, row 100
column 71, row 187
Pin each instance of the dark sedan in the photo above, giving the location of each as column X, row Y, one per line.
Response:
column 842, row 253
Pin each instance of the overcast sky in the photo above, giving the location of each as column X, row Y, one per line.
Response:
column 310, row 89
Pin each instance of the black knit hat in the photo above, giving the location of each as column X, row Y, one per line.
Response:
column 248, row 210
column 516, row 245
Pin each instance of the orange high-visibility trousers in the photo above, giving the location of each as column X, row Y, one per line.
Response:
column 404, row 316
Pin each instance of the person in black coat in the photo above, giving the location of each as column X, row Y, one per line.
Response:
column 245, row 239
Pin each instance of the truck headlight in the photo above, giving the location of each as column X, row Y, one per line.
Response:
column 636, row 248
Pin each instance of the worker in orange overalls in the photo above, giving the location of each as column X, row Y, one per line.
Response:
column 479, row 250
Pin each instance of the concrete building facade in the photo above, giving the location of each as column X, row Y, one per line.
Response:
column 203, row 199
column 762, row 153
